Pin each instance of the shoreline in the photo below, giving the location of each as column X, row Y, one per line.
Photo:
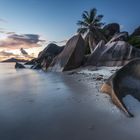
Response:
column 67, row 104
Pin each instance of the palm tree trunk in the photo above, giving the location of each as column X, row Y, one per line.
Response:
column 100, row 35
column 93, row 38
column 92, row 42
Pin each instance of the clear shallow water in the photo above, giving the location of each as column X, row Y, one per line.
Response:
column 52, row 106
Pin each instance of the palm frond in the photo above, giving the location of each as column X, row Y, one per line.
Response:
column 93, row 13
column 86, row 13
column 90, row 20
column 99, row 24
column 82, row 23
column 85, row 17
column 99, row 18
column 82, row 30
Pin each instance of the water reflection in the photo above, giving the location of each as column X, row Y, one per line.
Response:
column 47, row 106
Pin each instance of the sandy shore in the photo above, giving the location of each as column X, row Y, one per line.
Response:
column 53, row 106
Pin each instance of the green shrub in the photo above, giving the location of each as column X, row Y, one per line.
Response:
column 134, row 41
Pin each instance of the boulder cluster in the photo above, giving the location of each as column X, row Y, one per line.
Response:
column 117, row 51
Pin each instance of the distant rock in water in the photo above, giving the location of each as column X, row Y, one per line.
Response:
column 115, row 53
column 23, row 51
column 111, row 29
column 72, row 55
column 14, row 60
column 19, row 66
column 125, row 81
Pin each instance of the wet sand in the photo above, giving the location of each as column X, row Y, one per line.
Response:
column 52, row 106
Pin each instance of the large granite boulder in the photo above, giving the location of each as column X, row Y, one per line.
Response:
column 72, row 55
column 125, row 81
column 93, row 59
column 46, row 56
column 93, row 37
column 136, row 32
column 111, row 29
column 36, row 66
column 50, row 50
column 116, row 53
column 94, row 40
column 122, row 36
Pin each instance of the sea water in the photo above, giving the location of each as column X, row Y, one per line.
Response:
column 37, row 105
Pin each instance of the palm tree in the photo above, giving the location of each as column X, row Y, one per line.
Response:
column 91, row 27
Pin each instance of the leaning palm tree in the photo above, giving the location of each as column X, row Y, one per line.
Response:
column 91, row 26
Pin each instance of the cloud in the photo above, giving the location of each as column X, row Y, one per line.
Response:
column 121, row 26
column 61, row 43
column 3, row 31
column 29, row 38
column 8, row 33
column 3, row 20
column 16, row 41
column 3, row 53
column 6, row 55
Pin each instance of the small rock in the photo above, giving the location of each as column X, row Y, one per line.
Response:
column 71, row 73
column 99, row 78
column 19, row 66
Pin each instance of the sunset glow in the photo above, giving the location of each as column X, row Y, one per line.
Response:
column 33, row 24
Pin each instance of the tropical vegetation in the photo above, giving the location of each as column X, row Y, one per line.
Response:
column 91, row 27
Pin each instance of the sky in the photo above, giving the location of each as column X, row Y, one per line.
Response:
column 55, row 20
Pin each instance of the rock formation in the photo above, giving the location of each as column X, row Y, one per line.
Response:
column 136, row 32
column 71, row 57
column 123, row 36
column 46, row 56
column 111, row 29
column 32, row 62
column 15, row 60
column 36, row 66
column 115, row 53
column 124, row 82
column 19, row 66
column 50, row 50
